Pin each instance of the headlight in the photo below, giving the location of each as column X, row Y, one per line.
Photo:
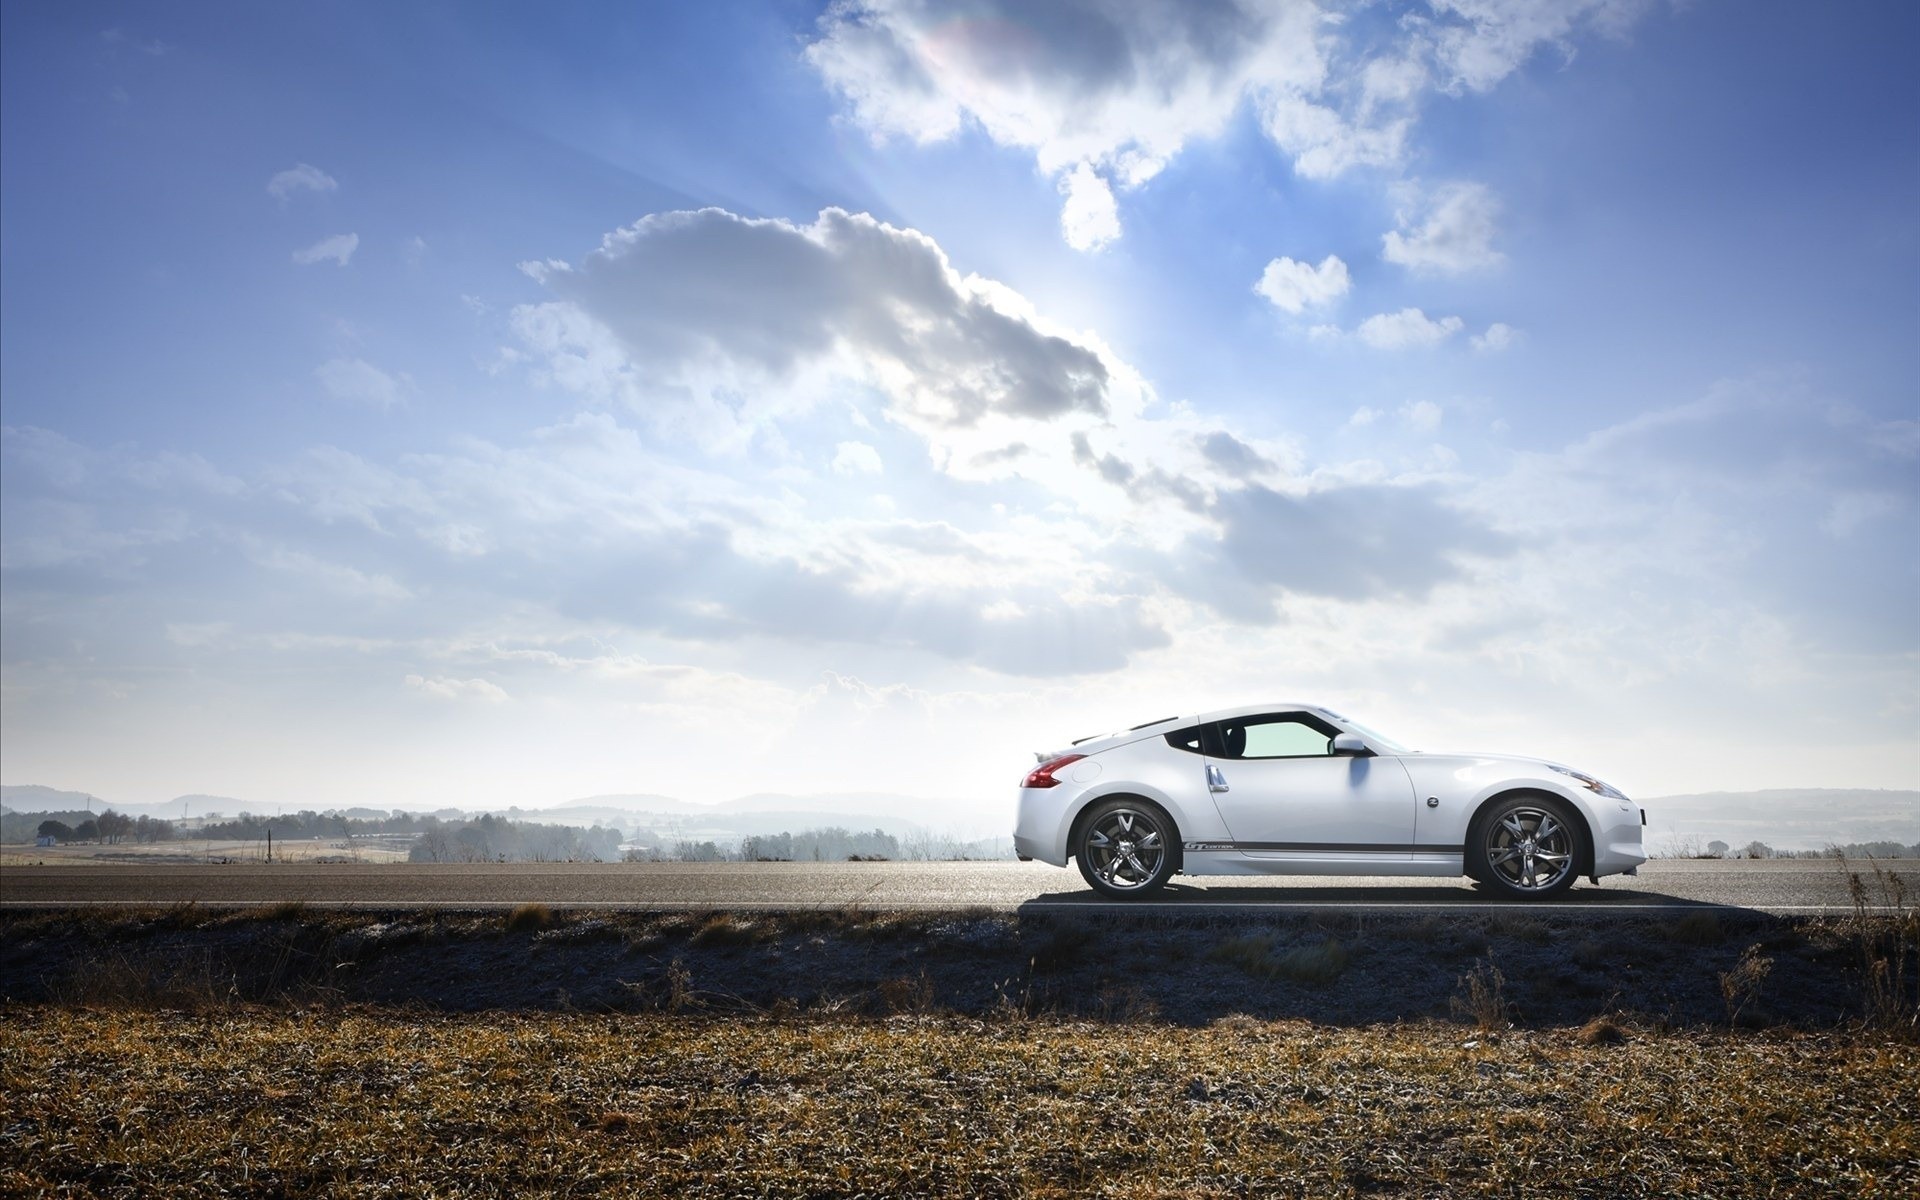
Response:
column 1590, row 783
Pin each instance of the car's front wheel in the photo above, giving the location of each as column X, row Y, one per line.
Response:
column 1527, row 847
column 1126, row 848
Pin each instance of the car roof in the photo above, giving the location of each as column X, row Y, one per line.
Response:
column 1094, row 743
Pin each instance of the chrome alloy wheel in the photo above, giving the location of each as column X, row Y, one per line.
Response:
column 1125, row 849
column 1530, row 849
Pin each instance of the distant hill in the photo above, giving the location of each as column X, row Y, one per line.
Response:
column 1785, row 818
column 31, row 797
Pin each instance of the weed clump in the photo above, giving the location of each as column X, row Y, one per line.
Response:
column 1601, row 1031
column 1740, row 986
column 1482, row 998
column 529, row 916
column 1888, row 942
column 725, row 929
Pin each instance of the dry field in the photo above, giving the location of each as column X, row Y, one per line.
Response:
column 186, row 850
column 290, row 1052
column 123, row 1102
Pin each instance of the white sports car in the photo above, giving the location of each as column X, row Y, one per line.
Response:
column 1295, row 789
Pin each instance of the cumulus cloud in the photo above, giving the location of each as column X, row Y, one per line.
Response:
column 1407, row 329
column 1353, row 542
column 1104, row 93
column 856, row 458
column 706, row 306
column 1090, row 218
column 1296, row 286
column 1233, row 456
column 339, row 248
column 359, row 381
column 441, row 688
column 302, row 177
column 1450, row 231
column 1498, row 337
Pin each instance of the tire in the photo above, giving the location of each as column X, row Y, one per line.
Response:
column 1126, row 848
column 1509, row 854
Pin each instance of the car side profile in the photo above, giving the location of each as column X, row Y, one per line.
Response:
column 1297, row 789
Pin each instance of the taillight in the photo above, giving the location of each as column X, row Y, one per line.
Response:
column 1043, row 774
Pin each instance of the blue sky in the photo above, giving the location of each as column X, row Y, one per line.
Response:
column 1516, row 375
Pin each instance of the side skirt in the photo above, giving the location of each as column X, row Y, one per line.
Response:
column 1427, row 861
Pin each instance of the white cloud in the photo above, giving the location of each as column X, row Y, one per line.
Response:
column 1478, row 43
column 856, row 458
column 1363, row 417
column 1455, row 231
column 1119, row 87
column 1325, row 143
column 441, row 688
column 302, row 177
column 1089, row 218
column 1406, row 329
column 360, row 381
column 1422, row 416
column 719, row 322
column 1498, row 337
column 1296, row 286
column 339, row 248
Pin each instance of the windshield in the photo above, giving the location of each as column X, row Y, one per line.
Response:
column 1378, row 740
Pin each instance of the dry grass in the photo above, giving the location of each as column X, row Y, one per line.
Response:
column 1482, row 998
column 368, row 1102
column 1316, row 963
column 1888, row 942
column 525, row 917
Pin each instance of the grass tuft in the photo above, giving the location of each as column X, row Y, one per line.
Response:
column 1482, row 998
column 529, row 916
column 1601, row 1031
column 726, row 929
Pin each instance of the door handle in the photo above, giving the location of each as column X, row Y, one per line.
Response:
column 1216, row 782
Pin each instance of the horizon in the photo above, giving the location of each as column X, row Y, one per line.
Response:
column 795, row 398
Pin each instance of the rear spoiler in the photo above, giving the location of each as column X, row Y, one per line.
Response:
column 1044, row 755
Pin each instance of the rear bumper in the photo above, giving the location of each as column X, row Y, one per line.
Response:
column 1040, row 831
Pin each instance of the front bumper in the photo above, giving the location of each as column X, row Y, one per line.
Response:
column 1619, row 848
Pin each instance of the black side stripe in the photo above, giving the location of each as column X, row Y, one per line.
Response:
column 1328, row 847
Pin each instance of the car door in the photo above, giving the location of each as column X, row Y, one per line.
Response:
column 1283, row 792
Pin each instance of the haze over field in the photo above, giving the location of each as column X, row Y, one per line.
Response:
column 1783, row 819
column 474, row 406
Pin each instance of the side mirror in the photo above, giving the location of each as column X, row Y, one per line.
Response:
column 1349, row 745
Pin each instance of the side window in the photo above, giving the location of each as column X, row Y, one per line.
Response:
column 1279, row 735
column 1186, row 739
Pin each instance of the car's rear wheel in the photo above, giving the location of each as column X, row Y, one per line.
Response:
column 1126, row 848
column 1526, row 847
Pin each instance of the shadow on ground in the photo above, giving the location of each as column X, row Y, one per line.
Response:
column 1696, row 966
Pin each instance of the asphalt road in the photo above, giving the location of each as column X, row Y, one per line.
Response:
column 1777, row 886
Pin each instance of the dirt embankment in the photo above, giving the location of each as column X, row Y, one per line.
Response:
column 1693, row 969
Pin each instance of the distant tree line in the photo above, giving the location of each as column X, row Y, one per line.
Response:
column 832, row 844
column 1690, row 846
column 482, row 839
column 488, row 838
column 108, row 827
